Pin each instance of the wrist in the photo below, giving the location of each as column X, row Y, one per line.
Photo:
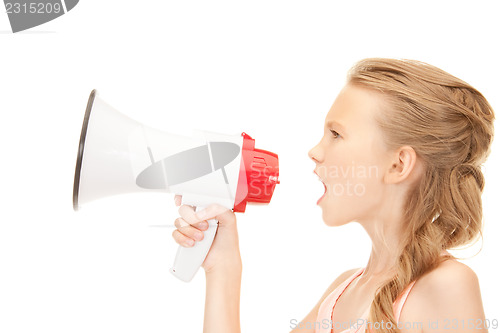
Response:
column 225, row 268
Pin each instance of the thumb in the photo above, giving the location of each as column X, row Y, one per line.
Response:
column 222, row 214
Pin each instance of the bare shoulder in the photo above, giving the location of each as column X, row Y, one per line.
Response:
column 450, row 282
column 448, row 294
column 449, row 275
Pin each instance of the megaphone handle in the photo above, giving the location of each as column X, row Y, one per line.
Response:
column 189, row 259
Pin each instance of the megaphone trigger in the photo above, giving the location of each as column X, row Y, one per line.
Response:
column 189, row 259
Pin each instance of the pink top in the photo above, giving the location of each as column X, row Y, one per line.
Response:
column 325, row 312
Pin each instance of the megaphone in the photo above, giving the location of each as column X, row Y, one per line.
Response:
column 118, row 155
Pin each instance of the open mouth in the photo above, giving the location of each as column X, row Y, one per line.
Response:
column 322, row 195
column 324, row 186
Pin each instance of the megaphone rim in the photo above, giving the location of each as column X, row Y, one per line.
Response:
column 81, row 148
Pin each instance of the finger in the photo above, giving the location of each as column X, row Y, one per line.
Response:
column 178, row 199
column 182, row 225
column 188, row 214
column 182, row 240
column 189, row 231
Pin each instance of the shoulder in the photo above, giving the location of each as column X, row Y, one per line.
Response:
column 450, row 271
column 449, row 282
column 448, row 292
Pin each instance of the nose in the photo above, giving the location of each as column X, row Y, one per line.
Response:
column 316, row 154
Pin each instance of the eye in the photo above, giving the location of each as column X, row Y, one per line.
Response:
column 335, row 134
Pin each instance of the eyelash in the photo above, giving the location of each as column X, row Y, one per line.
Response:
column 336, row 135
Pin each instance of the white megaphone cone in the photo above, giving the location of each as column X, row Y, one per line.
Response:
column 118, row 155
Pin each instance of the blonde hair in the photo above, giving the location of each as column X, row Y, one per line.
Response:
column 449, row 124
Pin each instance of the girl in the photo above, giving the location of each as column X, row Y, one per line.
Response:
column 420, row 135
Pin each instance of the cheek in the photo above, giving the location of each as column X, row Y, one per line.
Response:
column 368, row 183
column 352, row 168
column 355, row 184
column 354, row 181
column 351, row 199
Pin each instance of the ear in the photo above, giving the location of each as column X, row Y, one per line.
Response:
column 403, row 166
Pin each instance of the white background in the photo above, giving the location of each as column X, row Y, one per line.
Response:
column 269, row 68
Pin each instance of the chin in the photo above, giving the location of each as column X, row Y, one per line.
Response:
column 333, row 220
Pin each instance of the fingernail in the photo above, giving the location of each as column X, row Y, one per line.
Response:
column 189, row 242
column 198, row 236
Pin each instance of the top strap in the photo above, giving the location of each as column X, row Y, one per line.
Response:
column 400, row 301
column 344, row 287
column 325, row 310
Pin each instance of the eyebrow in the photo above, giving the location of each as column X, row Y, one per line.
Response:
column 339, row 125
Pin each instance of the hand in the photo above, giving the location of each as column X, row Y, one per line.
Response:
column 224, row 253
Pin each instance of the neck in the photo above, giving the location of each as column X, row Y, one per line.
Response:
column 386, row 239
column 382, row 261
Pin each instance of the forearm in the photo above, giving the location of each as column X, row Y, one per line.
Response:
column 222, row 302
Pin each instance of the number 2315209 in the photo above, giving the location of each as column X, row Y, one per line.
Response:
column 33, row 8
